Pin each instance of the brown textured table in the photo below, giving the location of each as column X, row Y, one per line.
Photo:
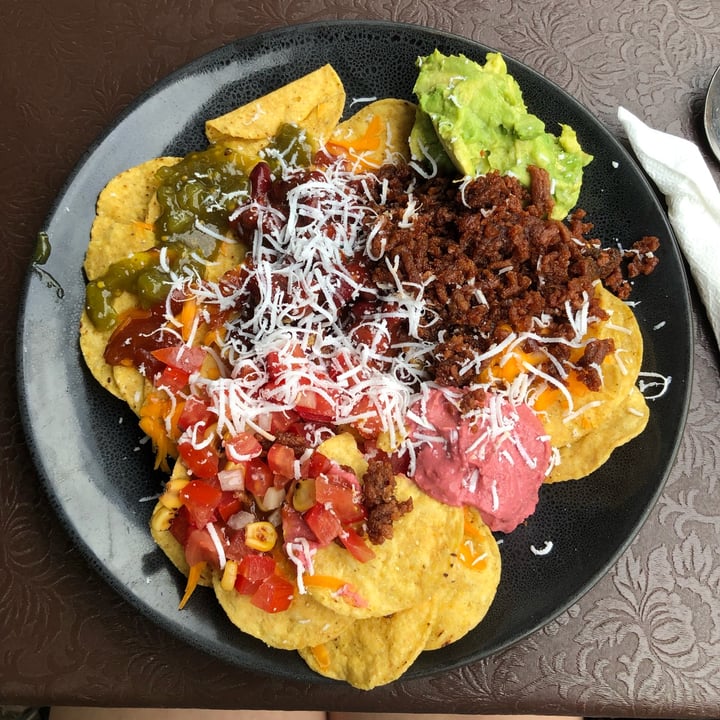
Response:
column 645, row 641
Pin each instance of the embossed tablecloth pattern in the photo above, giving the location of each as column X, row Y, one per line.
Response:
column 645, row 641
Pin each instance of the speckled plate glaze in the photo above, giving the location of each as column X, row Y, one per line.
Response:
column 90, row 453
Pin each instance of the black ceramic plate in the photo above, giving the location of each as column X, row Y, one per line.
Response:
column 87, row 446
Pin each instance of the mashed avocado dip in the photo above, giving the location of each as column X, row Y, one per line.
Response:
column 475, row 116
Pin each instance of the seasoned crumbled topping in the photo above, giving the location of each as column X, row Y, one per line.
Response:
column 491, row 262
column 382, row 506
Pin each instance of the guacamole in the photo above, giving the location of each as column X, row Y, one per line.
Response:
column 478, row 115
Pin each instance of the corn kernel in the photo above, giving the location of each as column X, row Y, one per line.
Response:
column 229, row 575
column 303, row 494
column 161, row 518
column 260, row 536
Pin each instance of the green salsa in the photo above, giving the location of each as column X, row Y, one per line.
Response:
column 291, row 146
column 205, row 187
column 143, row 275
column 196, row 196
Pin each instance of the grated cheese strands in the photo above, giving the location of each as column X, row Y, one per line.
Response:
column 217, row 543
column 300, row 554
column 296, row 282
column 299, row 281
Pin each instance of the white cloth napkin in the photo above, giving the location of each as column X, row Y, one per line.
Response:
column 678, row 169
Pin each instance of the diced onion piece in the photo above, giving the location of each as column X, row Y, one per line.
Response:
column 240, row 520
column 232, row 478
column 272, row 499
column 275, row 517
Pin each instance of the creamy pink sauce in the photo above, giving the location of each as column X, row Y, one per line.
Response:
column 496, row 464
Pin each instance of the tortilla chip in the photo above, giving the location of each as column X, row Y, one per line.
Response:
column 93, row 342
column 304, row 622
column 126, row 197
column 405, row 570
column 113, row 240
column 123, row 224
column 343, row 449
column 377, row 134
column 374, row 651
column 92, row 347
column 592, row 410
column 132, row 386
column 315, row 102
column 580, row 458
column 468, row 585
column 231, row 255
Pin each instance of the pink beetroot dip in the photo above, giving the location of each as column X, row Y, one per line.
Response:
column 495, row 462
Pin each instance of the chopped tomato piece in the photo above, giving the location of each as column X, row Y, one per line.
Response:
column 251, row 574
column 275, row 594
column 343, row 365
column 256, row 567
column 199, row 547
column 277, row 362
column 245, row 586
column 317, row 464
column 369, row 423
column 183, row 357
column 340, row 490
column 200, row 499
column 242, row 447
column 180, row 525
column 356, row 545
column 194, row 411
column 229, row 504
column 306, row 429
column 273, row 365
column 236, row 548
column 312, row 405
column 324, row 523
column 252, row 570
column 281, row 460
column 294, row 526
column 203, row 461
column 281, row 420
column 172, row 378
column 258, row 477
column 365, row 333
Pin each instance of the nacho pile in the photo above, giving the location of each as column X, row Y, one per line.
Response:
column 234, row 303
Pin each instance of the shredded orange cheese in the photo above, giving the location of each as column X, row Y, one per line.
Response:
column 356, row 147
column 152, row 422
column 472, row 548
column 322, row 656
column 325, row 581
column 187, row 317
column 192, row 582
